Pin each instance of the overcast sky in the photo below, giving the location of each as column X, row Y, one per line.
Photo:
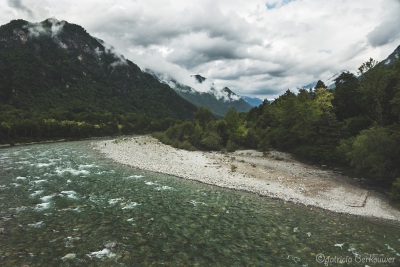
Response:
column 257, row 48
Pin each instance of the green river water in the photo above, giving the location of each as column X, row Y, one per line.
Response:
column 62, row 204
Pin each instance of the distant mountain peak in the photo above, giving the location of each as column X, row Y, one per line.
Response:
column 217, row 100
column 392, row 57
column 253, row 101
column 199, row 78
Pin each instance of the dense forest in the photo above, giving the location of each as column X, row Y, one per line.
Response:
column 356, row 126
column 57, row 81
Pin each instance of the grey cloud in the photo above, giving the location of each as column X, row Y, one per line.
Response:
column 145, row 30
column 17, row 4
column 388, row 30
column 262, row 90
column 197, row 50
column 252, row 71
column 279, row 72
column 385, row 33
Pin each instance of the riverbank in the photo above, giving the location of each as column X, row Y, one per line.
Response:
column 272, row 174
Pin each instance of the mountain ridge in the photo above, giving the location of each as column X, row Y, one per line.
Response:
column 218, row 101
column 56, row 80
column 61, row 56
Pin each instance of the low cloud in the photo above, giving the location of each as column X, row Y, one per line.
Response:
column 37, row 29
column 255, row 47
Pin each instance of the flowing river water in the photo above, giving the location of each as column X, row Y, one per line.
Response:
column 62, row 204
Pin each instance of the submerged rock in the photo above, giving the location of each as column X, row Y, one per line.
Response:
column 110, row 245
column 69, row 256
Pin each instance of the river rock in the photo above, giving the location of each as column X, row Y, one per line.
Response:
column 69, row 256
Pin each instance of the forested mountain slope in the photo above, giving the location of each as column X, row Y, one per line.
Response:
column 55, row 71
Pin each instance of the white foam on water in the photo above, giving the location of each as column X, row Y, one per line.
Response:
column 69, row 241
column 130, row 205
column 105, row 172
column 23, row 162
column 392, row 249
column 46, row 198
column 43, row 165
column 54, row 160
column 114, row 200
column 87, row 166
column 96, row 199
column 15, row 184
column 36, row 225
column 135, row 177
column 353, row 250
column 151, row 183
column 71, row 171
column 77, row 209
column 42, row 206
column 20, row 178
column 69, row 194
column 339, row 245
column 105, row 253
column 195, row 203
column 130, row 220
column 293, row 258
column 37, row 192
column 164, row 187
column 39, row 181
column 19, row 209
column 3, row 186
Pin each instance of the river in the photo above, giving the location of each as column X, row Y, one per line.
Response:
column 62, row 204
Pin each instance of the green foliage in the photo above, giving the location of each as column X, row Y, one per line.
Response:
column 395, row 192
column 366, row 66
column 207, row 133
column 303, row 124
column 231, row 146
column 376, row 90
column 20, row 126
column 320, row 84
column 211, row 141
column 346, row 99
column 74, row 80
column 204, row 116
column 372, row 153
